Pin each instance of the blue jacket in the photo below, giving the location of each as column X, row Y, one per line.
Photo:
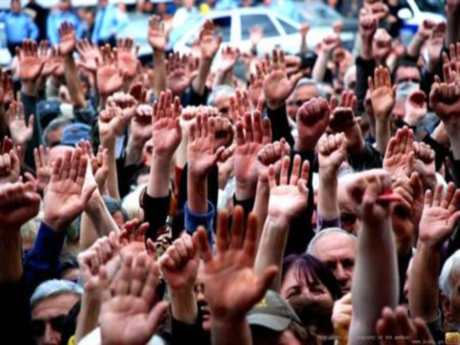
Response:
column 18, row 27
column 109, row 21
column 55, row 20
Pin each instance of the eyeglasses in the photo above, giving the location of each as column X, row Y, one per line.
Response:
column 39, row 326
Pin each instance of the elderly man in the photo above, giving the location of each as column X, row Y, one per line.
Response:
column 51, row 303
column 337, row 249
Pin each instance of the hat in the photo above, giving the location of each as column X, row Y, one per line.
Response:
column 54, row 287
column 74, row 133
column 272, row 312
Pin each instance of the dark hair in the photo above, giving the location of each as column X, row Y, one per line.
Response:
column 405, row 62
column 307, row 265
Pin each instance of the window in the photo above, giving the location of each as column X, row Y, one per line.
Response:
column 224, row 26
column 288, row 28
column 262, row 20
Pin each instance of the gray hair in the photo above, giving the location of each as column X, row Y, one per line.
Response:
column 445, row 284
column 324, row 233
column 55, row 124
column 320, row 88
column 54, row 287
column 218, row 91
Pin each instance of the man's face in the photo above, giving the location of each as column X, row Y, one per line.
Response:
column 338, row 252
column 451, row 306
column 54, row 137
column 300, row 95
column 15, row 6
column 223, row 105
column 48, row 316
column 64, row 5
column 407, row 74
column 103, row 3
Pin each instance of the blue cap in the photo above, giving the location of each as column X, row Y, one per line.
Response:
column 74, row 133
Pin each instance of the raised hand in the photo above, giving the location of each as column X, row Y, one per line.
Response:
column 208, row 40
column 54, row 61
column 133, row 231
column 277, row 85
column 166, row 130
column 68, row 40
column 130, row 314
column 229, row 57
column 341, row 317
column 111, row 123
column 126, row 102
column 231, row 286
column 440, row 213
column 19, row 203
column 239, row 105
column 255, row 88
column 179, row 77
column 399, row 157
column 396, row 327
column 179, row 264
column 289, row 197
column 109, row 77
column 140, row 128
column 127, row 57
column 157, row 33
column 367, row 27
column 6, row 88
column 30, row 64
column 21, row 132
column 382, row 93
column 435, row 43
column 381, row 47
column 89, row 55
column 250, row 139
column 426, row 29
column 415, row 108
column 202, row 153
column 10, row 166
column 312, row 121
column 92, row 259
column 332, row 152
column 66, row 190
column 329, row 43
column 425, row 163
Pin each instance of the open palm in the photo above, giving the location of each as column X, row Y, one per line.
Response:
column 109, row 79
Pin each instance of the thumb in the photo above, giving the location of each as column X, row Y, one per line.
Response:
column 156, row 316
column 30, row 123
column 264, row 281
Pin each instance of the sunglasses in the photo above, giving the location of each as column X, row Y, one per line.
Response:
column 39, row 326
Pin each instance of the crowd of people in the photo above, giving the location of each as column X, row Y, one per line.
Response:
column 224, row 197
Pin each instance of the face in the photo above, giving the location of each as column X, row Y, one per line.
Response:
column 15, row 6
column 48, row 315
column 300, row 95
column 403, row 227
column 189, row 3
column 451, row 305
column 308, row 296
column 223, row 105
column 381, row 44
column 203, row 309
column 338, row 252
column 64, row 5
column 407, row 73
column 54, row 137
column 72, row 274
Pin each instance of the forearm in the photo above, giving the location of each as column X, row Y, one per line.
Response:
column 73, row 82
column 328, row 207
column 231, row 333
column 415, row 45
column 28, row 87
column 376, row 262
column 355, row 140
column 199, row 83
column 133, row 152
column 454, row 139
column 319, row 69
column 382, row 134
column 453, row 31
column 197, row 193
column 183, row 305
column 112, row 177
column 271, row 247
column 159, row 78
column 303, row 44
column 260, row 208
column 366, row 48
column 159, row 176
column 423, row 287
column 88, row 232
column 88, row 317
column 10, row 256
column 100, row 217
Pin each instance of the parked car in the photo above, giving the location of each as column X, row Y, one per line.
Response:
column 235, row 26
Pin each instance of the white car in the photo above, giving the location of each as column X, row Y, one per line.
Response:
column 235, row 26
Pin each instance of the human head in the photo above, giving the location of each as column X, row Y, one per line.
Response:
column 188, row 3
column 15, row 6
column 336, row 248
column 381, row 45
column 103, row 3
column 407, row 71
column 310, row 288
column 449, row 284
column 52, row 134
column 273, row 321
column 305, row 90
column 64, row 5
column 204, row 314
column 51, row 302
column 220, row 98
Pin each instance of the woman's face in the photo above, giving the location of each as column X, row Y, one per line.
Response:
column 309, row 297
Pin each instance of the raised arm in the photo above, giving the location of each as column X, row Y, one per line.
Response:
column 376, row 257
column 157, row 40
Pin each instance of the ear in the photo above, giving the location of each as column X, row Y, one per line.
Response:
column 446, row 308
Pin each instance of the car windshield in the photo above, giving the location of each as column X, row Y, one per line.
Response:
column 430, row 5
column 250, row 20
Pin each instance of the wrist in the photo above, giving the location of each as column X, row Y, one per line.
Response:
column 274, row 104
column 328, row 176
column 245, row 190
column 55, row 224
column 277, row 221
